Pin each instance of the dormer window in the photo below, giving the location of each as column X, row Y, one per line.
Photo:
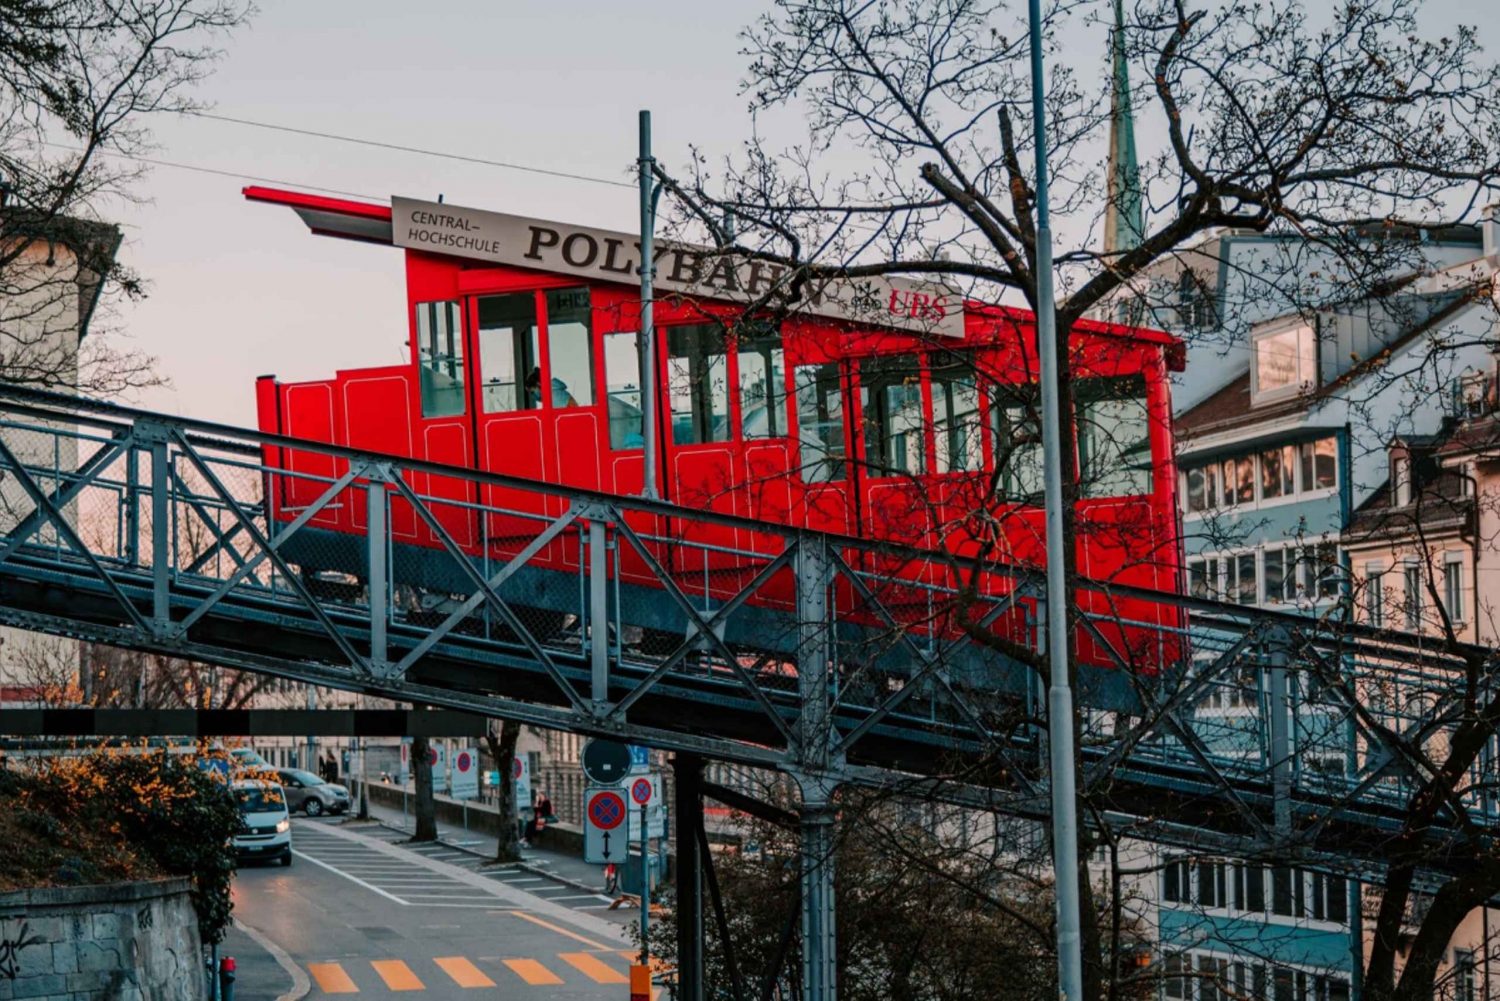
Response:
column 1283, row 363
column 1401, row 479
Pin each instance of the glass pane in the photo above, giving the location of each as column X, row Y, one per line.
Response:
column 509, row 375
column 622, row 372
column 1283, row 360
column 1015, row 416
column 762, row 378
column 698, row 384
column 1245, row 579
column 440, row 358
column 1197, row 579
column 1195, row 496
column 894, row 442
column 1275, row 576
column 1325, row 462
column 955, row 412
column 570, row 347
column 1114, row 437
column 820, row 422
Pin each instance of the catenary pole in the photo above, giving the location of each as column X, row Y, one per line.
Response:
column 648, row 329
column 1059, row 694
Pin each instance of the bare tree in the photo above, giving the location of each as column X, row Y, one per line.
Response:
column 80, row 81
column 502, row 748
column 1327, row 130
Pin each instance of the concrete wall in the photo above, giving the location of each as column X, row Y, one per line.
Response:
column 116, row 941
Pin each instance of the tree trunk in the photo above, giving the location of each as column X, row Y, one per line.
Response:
column 426, row 807
column 503, row 749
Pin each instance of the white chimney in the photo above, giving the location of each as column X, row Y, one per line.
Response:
column 1490, row 227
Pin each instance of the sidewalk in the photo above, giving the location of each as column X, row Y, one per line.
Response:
column 567, row 867
column 258, row 975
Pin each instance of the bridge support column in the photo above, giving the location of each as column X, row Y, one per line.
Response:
column 687, row 772
column 161, row 528
column 376, row 537
column 819, row 941
column 598, row 613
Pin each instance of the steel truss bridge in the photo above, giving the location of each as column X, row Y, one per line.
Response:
column 833, row 660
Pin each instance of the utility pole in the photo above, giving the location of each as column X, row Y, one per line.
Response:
column 649, row 192
column 1059, row 694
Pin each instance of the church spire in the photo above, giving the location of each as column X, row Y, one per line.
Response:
column 1123, row 224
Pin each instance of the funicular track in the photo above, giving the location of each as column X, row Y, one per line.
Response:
column 834, row 659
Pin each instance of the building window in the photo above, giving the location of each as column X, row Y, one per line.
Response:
column 1203, row 577
column 1330, row 898
column 1375, row 597
column 1173, row 983
column 1453, row 590
column 1473, row 387
column 1249, row 887
column 820, row 422
column 1239, row 481
column 1463, row 975
column 440, row 358
column 1243, row 587
column 1278, row 469
column 1320, row 464
column 1203, row 488
column 1413, row 597
column 1177, row 881
column 1401, row 480
column 1281, row 472
column 1322, row 563
column 1284, row 363
column 1280, row 575
column 1211, row 885
column 698, row 384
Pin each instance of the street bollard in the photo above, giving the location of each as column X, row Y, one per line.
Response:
column 226, row 979
column 640, row 982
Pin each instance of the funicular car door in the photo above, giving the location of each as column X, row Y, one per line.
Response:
column 537, row 408
column 443, row 427
column 895, row 420
column 822, row 480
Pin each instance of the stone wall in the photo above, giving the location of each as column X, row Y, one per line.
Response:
column 112, row 942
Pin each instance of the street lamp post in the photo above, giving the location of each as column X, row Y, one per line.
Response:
column 1059, row 694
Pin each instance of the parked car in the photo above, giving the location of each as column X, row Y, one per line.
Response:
column 267, row 830
column 310, row 794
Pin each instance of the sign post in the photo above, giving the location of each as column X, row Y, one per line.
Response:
column 603, row 813
column 643, row 792
column 465, row 785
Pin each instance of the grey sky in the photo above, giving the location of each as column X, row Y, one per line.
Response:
column 238, row 289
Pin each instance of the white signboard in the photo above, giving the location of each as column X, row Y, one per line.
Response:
column 601, row 255
column 465, row 783
column 438, row 759
column 520, row 775
column 604, row 830
column 403, row 774
column 656, row 822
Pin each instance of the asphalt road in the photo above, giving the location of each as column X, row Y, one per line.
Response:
column 361, row 913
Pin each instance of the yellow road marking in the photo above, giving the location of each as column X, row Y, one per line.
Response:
column 590, row 967
column 532, row 972
column 561, row 931
column 463, row 972
column 397, row 975
column 332, row 979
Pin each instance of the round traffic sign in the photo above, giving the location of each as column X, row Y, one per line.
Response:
column 464, row 761
column 515, row 768
column 605, row 762
column 432, row 757
column 640, row 791
column 606, row 810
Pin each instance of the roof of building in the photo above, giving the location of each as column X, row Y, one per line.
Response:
column 1438, row 502
column 1229, row 407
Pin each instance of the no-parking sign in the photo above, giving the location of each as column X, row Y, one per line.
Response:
column 520, row 774
column 645, row 790
column 465, row 783
column 604, row 813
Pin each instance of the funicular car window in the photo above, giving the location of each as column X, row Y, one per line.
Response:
column 622, row 372
column 820, row 422
column 762, row 378
column 892, row 393
column 955, row 412
column 509, row 375
column 1015, row 419
column 440, row 345
column 570, row 347
column 698, row 383
column 1114, row 436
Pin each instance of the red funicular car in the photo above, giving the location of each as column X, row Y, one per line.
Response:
column 913, row 421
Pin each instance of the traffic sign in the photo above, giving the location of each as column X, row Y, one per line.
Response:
column 645, row 790
column 520, row 771
column 605, row 762
column 439, row 762
column 603, row 814
column 640, row 758
column 465, row 775
column 656, row 823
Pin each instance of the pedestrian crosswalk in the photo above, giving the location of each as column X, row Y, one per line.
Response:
column 351, row 976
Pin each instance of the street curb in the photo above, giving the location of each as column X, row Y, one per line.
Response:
column 528, row 866
column 301, row 983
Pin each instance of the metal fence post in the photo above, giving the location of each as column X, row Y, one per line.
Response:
column 376, row 542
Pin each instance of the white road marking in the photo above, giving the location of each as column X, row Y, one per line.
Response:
column 353, row 879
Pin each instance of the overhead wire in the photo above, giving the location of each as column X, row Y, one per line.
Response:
column 378, row 144
column 220, row 173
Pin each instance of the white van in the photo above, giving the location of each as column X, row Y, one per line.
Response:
column 267, row 833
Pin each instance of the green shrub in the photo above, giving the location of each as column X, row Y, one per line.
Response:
column 121, row 814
